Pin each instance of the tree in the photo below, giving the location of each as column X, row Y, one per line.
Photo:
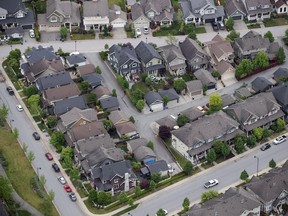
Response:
column 244, row 175
column 33, row 102
column 67, row 152
column 98, row 70
column 160, row 212
column 208, row 195
column 165, row 100
column 280, row 125
column 251, row 141
column 5, row 189
column 150, row 145
column 16, row 133
column 211, row 156
column 136, row 165
column 269, row 36
column 152, row 185
column 182, row 120
column 186, row 204
column 15, row 54
column 122, row 82
column 239, row 145
column 265, row 133
column 225, row 151
column 30, row 90
column 272, row 163
column 144, row 184
column 193, row 35
column 114, row 93
column 244, row 68
column 171, row 40
column 104, row 198
column 31, row 156
column 131, row 119
column 232, row 35
column 67, row 163
column 215, row 73
column 57, row 139
column 92, row 196
column 123, row 197
column 63, row 32
column 130, row 201
column 215, row 102
column 140, row 105
column 261, row 60
column 180, row 21
column 91, row 99
column 148, row 81
column 51, row 121
column 84, row 86
column 156, row 177
column 280, row 56
column 3, row 114
column 51, row 195
column 164, row 132
column 229, row 24
column 138, row 191
column 106, row 46
column 217, row 146
column 74, row 173
column 179, row 85
column 105, row 31
column 258, row 133
column 188, row 168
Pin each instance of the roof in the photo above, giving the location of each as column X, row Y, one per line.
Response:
column 280, row 72
column 219, row 47
column 12, row 6
column 194, row 85
column 117, row 116
column 93, row 79
column 171, row 93
column 136, row 143
column 51, row 81
column 95, row 8
column 261, row 84
column 252, row 41
column 86, row 69
column 11, row 31
column 62, row 92
column 227, row 100
column 162, row 8
column 136, row 11
column 158, row 166
column 204, row 76
column 115, row 13
column 63, row 106
column 192, row 113
column 280, row 93
column 43, row 66
column 232, row 6
column 75, row 59
column 124, row 53
column 125, row 128
column 146, row 52
column 243, row 91
column 40, row 53
column 172, row 53
column 143, row 151
column 153, row 97
column 256, row 3
column 168, row 121
column 101, row 91
column 109, row 103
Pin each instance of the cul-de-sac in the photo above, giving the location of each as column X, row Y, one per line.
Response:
column 143, row 107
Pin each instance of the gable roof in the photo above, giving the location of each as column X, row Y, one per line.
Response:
column 261, row 84
column 101, row 91
column 192, row 113
column 158, row 166
column 12, row 6
column 280, row 72
column 117, row 116
column 168, row 121
column 93, row 79
column 40, row 53
column 136, row 11
column 146, row 52
column 280, row 93
column 172, row 52
column 194, row 85
column 143, row 151
column 219, row 47
column 125, row 128
column 75, row 59
column 152, row 97
column 115, row 13
column 124, row 53
column 204, row 76
column 136, row 143
column 232, row 6
column 86, row 69
column 109, row 103
column 162, row 8
column 63, row 106
column 171, row 93
column 95, row 8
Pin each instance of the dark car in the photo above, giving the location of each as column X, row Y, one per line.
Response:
column 36, row 136
column 265, row 147
column 55, row 167
column 215, row 26
column 221, row 25
column 10, row 90
column 72, row 196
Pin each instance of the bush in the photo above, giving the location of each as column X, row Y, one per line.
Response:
column 103, row 55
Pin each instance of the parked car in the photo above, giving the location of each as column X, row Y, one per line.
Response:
column 61, row 179
column 215, row 26
column 67, row 188
column 73, row 197
column 49, row 156
column 138, row 32
column 211, row 183
column 55, row 167
column 265, row 146
column 10, row 90
column 221, row 25
column 31, row 33
column 146, row 30
column 36, row 136
column 280, row 139
column 19, row 107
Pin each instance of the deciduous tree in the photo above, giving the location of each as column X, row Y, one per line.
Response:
column 164, row 132
column 225, row 151
column 211, row 156
column 261, row 60
column 188, row 168
column 186, row 204
column 140, row 105
column 179, row 85
column 229, row 24
column 182, row 120
column 280, row 56
column 269, row 36
column 272, row 163
column 208, row 195
column 232, row 35
column 215, row 102
column 244, row 175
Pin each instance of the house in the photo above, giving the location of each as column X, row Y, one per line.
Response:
column 58, row 14
column 242, row 93
column 234, row 201
column 75, row 60
column 194, row 88
column 124, row 61
column 101, row 92
column 53, row 81
column 248, row 46
column 260, row 110
column 235, row 9
column 117, row 17
column 14, row 14
column 151, row 61
column 160, row 166
column 175, row 61
column 127, row 130
column 154, row 101
column 95, row 14
column 76, row 117
column 227, row 100
column 193, row 113
column 93, row 79
column 15, row 33
column 85, row 69
column 280, row 6
column 280, row 74
column 171, row 94
column 63, row 106
column 194, row 140
column 168, row 121
column 195, row 56
column 116, row 177
column 142, row 153
column 138, row 16
column 280, row 93
column 261, row 84
column 109, row 103
column 258, row 9
column 199, row 11
column 206, row 78
column 117, row 117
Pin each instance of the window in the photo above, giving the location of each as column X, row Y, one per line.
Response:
column 115, row 180
column 19, row 14
column 53, row 19
column 125, row 66
column 2, row 17
column 265, row 6
column 159, row 61
column 116, row 186
column 134, row 65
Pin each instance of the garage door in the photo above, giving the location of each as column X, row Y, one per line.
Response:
column 118, row 25
column 237, row 17
column 27, row 26
column 209, row 20
column 156, row 107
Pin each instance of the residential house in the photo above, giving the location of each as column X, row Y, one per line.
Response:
column 15, row 33
column 75, row 60
column 281, row 74
column 58, row 14
column 261, row 84
column 63, row 106
column 124, row 61
column 101, row 92
column 154, row 101
column 127, row 130
column 248, row 46
column 138, row 16
column 117, row 177
column 234, row 201
column 14, row 14
column 242, row 93
column 93, row 79
column 109, row 103
column 117, row 117
column 280, row 93
column 227, row 100
column 175, row 61
column 222, row 57
column 258, row 9
column 85, row 69
column 201, row 11
column 195, row 139
column 260, row 110
column 95, row 14
column 151, row 61
column 193, row 113
column 194, row 88
column 235, row 9
column 195, row 56
column 76, row 117
column 117, row 17
column 140, row 151
column 206, row 78
column 280, row 6
column 171, row 94
column 160, row 166
column 168, row 121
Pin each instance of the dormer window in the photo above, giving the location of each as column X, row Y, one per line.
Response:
column 125, row 66
column 53, row 19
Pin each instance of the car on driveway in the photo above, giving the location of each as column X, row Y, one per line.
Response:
column 49, row 156
column 138, row 32
column 211, row 183
column 31, row 33
column 221, row 25
column 10, row 90
column 55, row 167
column 265, row 147
column 72, row 196
column 67, row 188
column 36, row 136
column 61, row 179
column 19, row 107
column 280, row 139
column 215, row 26
column 146, row 30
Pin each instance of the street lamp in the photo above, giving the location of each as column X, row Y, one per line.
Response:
column 11, row 120
column 75, row 45
column 11, row 47
column 38, row 168
column 257, row 163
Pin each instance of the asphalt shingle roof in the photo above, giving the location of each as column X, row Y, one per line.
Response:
column 146, row 52
column 54, row 80
column 63, row 106
column 152, row 97
column 109, row 103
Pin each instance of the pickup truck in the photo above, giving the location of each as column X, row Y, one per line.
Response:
column 211, row 183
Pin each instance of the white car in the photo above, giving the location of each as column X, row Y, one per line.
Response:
column 19, row 108
column 62, row 180
column 146, row 30
column 211, row 183
column 280, row 139
column 31, row 33
column 138, row 32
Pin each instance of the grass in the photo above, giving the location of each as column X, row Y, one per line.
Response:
column 200, row 30
column 275, row 22
column 126, row 210
column 207, row 165
column 117, row 2
column 253, row 26
column 141, row 86
column 82, row 36
column 174, row 30
column 19, row 170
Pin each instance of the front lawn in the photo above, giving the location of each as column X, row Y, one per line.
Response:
column 174, row 30
column 180, row 159
column 275, row 22
column 82, row 36
column 253, row 26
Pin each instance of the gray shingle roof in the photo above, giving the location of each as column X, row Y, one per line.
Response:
column 54, row 80
column 280, row 92
column 117, row 116
column 280, row 72
column 40, row 53
column 143, row 151
column 146, row 52
column 115, row 12
column 93, row 79
column 158, row 166
column 109, row 103
column 227, row 100
column 171, row 93
column 243, row 91
column 231, row 6
column 63, row 106
column 192, row 113
column 136, row 11
column 194, row 85
column 124, row 53
column 168, row 121
column 75, row 59
column 12, row 6
column 136, row 143
column 95, row 8
column 204, row 76
column 11, row 31
column 152, row 97
column 252, row 41
column 261, row 84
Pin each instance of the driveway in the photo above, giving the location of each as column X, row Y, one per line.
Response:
column 50, row 36
column 239, row 25
column 119, row 33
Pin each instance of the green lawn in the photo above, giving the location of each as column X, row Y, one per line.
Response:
column 275, row 22
column 174, row 30
column 117, row 2
column 253, row 26
column 175, row 5
column 141, row 86
column 180, row 159
column 20, row 172
column 82, row 36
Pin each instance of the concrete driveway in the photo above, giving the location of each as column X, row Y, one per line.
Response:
column 119, row 33
column 239, row 25
column 50, row 36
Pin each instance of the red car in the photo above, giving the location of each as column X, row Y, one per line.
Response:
column 49, row 156
column 67, row 188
